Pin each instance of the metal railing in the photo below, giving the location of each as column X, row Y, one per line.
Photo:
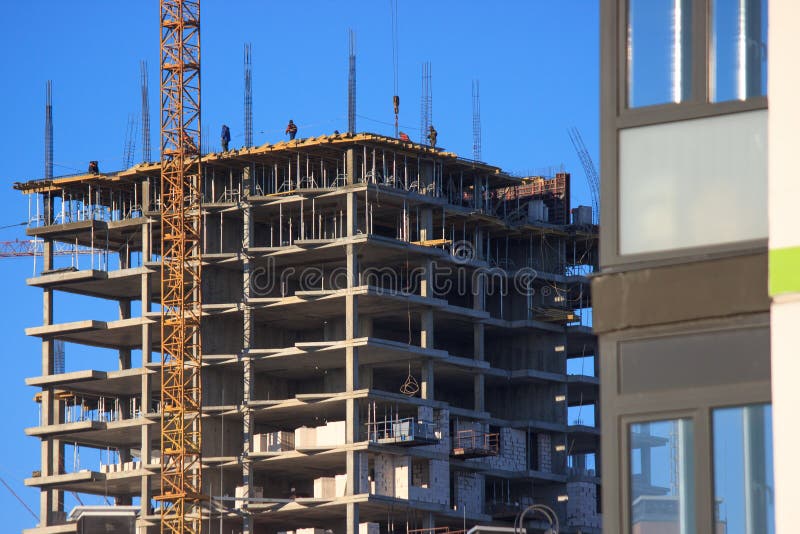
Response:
column 401, row 430
column 475, row 440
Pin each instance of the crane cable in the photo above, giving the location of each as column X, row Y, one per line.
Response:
column 23, row 503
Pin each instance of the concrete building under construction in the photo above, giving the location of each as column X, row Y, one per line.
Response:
column 387, row 330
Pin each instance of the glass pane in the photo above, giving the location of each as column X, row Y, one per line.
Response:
column 659, row 51
column 743, row 478
column 673, row 178
column 738, row 49
column 662, row 481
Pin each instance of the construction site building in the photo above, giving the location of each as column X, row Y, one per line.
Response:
column 387, row 330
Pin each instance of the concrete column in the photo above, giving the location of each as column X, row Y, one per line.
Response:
column 426, row 342
column 426, row 224
column 51, row 501
column 351, row 354
column 124, row 363
column 426, row 317
column 478, row 329
column 146, row 206
column 124, row 354
column 146, row 492
column 478, row 392
column 247, row 336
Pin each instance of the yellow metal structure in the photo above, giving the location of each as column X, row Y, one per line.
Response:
column 181, row 302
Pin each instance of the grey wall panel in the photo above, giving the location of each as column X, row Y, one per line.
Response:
column 694, row 360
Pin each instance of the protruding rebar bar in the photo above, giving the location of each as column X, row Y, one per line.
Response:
column 248, row 94
column 145, row 112
column 351, row 85
column 48, row 131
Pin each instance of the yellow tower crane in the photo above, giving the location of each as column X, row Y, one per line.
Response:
column 181, row 302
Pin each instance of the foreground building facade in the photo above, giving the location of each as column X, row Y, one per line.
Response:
column 697, row 294
column 387, row 330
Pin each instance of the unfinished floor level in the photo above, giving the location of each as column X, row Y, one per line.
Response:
column 394, row 338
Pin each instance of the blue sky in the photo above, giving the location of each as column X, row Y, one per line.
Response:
column 537, row 62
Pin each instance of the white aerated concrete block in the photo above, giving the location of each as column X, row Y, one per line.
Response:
column 341, row 485
column 384, row 475
column 331, row 434
column 273, row 442
column 369, row 528
column 310, row 531
column 305, row 437
column 324, row 488
column 241, row 491
column 241, row 495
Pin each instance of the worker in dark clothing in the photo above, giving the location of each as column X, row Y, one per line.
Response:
column 291, row 129
column 225, row 137
column 94, row 168
column 432, row 135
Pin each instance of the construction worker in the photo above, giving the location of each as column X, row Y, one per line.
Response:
column 188, row 143
column 291, row 129
column 225, row 137
column 404, row 136
column 93, row 167
column 432, row 136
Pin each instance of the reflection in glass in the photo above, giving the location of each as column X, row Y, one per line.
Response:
column 738, row 49
column 659, row 51
column 743, row 478
column 662, row 482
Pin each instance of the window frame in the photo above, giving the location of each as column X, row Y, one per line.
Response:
column 627, row 494
column 697, row 403
column 615, row 115
column 734, row 406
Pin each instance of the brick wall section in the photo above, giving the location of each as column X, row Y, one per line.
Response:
column 512, row 451
column 545, row 452
column 582, row 505
column 469, row 491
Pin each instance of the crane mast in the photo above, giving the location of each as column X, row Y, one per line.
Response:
column 181, row 302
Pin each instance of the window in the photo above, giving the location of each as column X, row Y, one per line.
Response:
column 659, row 51
column 691, row 157
column 743, row 477
column 738, row 67
column 661, row 481
column 693, row 183
column 661, row 55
